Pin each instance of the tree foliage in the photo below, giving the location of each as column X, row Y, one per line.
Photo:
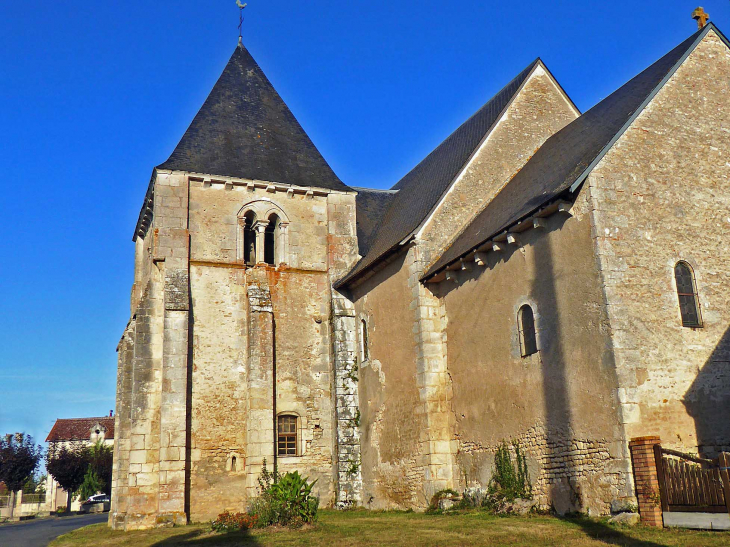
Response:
column 68, row 464
column 80, row 469
column 92, row 484
column 100, row 462
column 19, row 457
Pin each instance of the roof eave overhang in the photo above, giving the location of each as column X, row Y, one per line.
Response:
column 144, row 221
column 539, row 211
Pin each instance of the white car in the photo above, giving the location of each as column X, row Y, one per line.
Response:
column 98, row 498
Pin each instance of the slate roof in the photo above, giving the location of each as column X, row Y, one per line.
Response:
column 422, row 188
column 79, row 429
column 370, row 206
column 567, row 157
column 244, row 129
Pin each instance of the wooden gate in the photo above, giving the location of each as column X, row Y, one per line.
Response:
column 695, row 492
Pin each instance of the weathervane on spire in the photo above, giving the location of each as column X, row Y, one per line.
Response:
column 240, row 21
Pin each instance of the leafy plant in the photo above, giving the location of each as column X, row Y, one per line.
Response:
column 353, row 467
column 286, row 500
column 266, row 479
column 510, row 480
column 233, row 522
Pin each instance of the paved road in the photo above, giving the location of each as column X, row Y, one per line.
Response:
column 38, row 533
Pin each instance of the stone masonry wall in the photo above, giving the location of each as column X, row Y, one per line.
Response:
column 320, row 245
column 559, row 403
column 150, row 485
column 122, row 424
column 539, row 110
column 391, row 414
column 659, row 196
column 349, row 459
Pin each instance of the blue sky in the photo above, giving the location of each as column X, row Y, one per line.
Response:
column 93, row 95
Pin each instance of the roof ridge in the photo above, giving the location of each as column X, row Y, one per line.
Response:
column 526, row 71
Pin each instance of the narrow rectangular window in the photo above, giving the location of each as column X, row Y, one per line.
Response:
column 364, row 356
column 526, row 327
column 286, row 439
column 689, row 306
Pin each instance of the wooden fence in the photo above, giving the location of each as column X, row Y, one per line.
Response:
column 689, row 483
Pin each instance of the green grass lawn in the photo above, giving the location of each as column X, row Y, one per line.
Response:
column 342, row 529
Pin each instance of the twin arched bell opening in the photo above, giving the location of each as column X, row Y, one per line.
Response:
column 263, row 237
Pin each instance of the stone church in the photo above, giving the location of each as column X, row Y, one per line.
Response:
column 546, row 276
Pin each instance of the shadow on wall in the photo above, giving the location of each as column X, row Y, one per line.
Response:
column 708, row 401
column 564, row 492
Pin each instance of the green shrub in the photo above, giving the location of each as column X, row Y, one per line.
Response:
column 285, row 500
column 510, row 480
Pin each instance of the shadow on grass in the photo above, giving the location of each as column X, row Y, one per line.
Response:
column 202, row 537
column 609, row 535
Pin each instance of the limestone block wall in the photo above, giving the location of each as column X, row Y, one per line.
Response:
column 539, row 110
column 122, row 423
column 219, row 394
column 392, row 417
column 233, row 406
column 560, row 403
column 659, row 196
column 149, row 487
column 217, row 207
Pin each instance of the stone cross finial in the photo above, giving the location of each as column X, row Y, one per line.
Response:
column 701, row 17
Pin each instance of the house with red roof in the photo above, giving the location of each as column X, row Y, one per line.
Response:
column 70, row 431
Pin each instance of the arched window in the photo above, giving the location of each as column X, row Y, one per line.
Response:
column 689, row 305
column 272, row 240
column 249, row 238
column 526, row 326
column 364, row 352
column 233, row 463
column 286, row 435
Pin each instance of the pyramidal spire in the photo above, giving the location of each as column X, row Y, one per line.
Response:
column 244, row 129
